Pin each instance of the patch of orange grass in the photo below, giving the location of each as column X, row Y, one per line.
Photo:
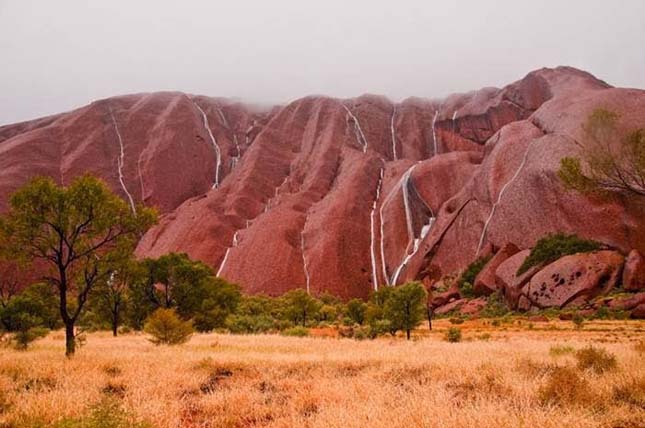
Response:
column 281, row 382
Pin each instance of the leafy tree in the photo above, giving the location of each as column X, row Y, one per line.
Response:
column 112, row 295
column 219, row 300
column 189, row 286
column 328, row 313
column 356, row 309
column 552, row 247
column 299, row 306
column 241, row 324
column 375, row 312
column 610, row 163
column 406, row 306
column 256, row 306
column 23, row 316
column 140, row 304
column 167, row 328
column 37, row 301
column 75, row 232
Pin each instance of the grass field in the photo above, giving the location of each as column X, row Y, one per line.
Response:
column 513, row 375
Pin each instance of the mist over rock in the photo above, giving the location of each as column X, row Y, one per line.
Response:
column 341, row 196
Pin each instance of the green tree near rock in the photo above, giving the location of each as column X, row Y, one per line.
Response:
column 299, row 306
column 74, row 233
column 405, row 307
column 189, row 286
column 356, row 309
column 609, row 163
column 112, row 296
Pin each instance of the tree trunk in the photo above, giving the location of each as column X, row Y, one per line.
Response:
column 430, row 311
column 115, row 320
column 70, row 344
column 115, row 326
column 407, row 333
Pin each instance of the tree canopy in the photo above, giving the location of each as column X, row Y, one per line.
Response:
column 609, row 162
column 73, row 233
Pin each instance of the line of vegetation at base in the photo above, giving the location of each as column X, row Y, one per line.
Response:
column 552, row 247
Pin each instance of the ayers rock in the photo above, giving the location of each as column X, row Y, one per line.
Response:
column 340, row 195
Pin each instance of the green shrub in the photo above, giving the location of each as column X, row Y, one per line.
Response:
column 578, row 321
column 355, row 311
column 297, row 331
column 167, row 328
column 210, row 320
column 495, row 306
column 552, row 247
column 565, row 386
column 467, row 279
column 24, row 338
column 559, row 350
column 453, row 335
column 379, row 328
column 108, row 413
column 597, row 359
column 246, row 324
column 361, row 333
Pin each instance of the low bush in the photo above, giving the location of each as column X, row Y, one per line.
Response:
column 552, row 247
column 495, row 306
column 362, row 333
column 596, row 359
column 455, row 320
column 378, row 328
column 247, row 324
column 578, row 321
column 108, row 413
column 453, row 335
column 559, row 350
column 631, row 392
column 165, row 327
column 23, row 338
column 297, row 331
column 565, row 386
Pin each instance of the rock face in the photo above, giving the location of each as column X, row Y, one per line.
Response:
column 485, row 283
column 335, row 195
column 574, row 279
column 634, row 272
column 639, row 312
column 507, row 280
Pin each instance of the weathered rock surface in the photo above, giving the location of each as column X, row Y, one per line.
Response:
column 447, row 296
column 634, row 272
column 507, row 280
column 627, row 303
column 450, row 307
column 574, row 279
column 485, row 283
column 473, row 306
column 639, row 312
column 336, row 195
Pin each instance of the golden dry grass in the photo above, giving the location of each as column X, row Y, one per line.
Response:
column 272, row 381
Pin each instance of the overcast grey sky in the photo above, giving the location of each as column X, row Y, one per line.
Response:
column 58, row 55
